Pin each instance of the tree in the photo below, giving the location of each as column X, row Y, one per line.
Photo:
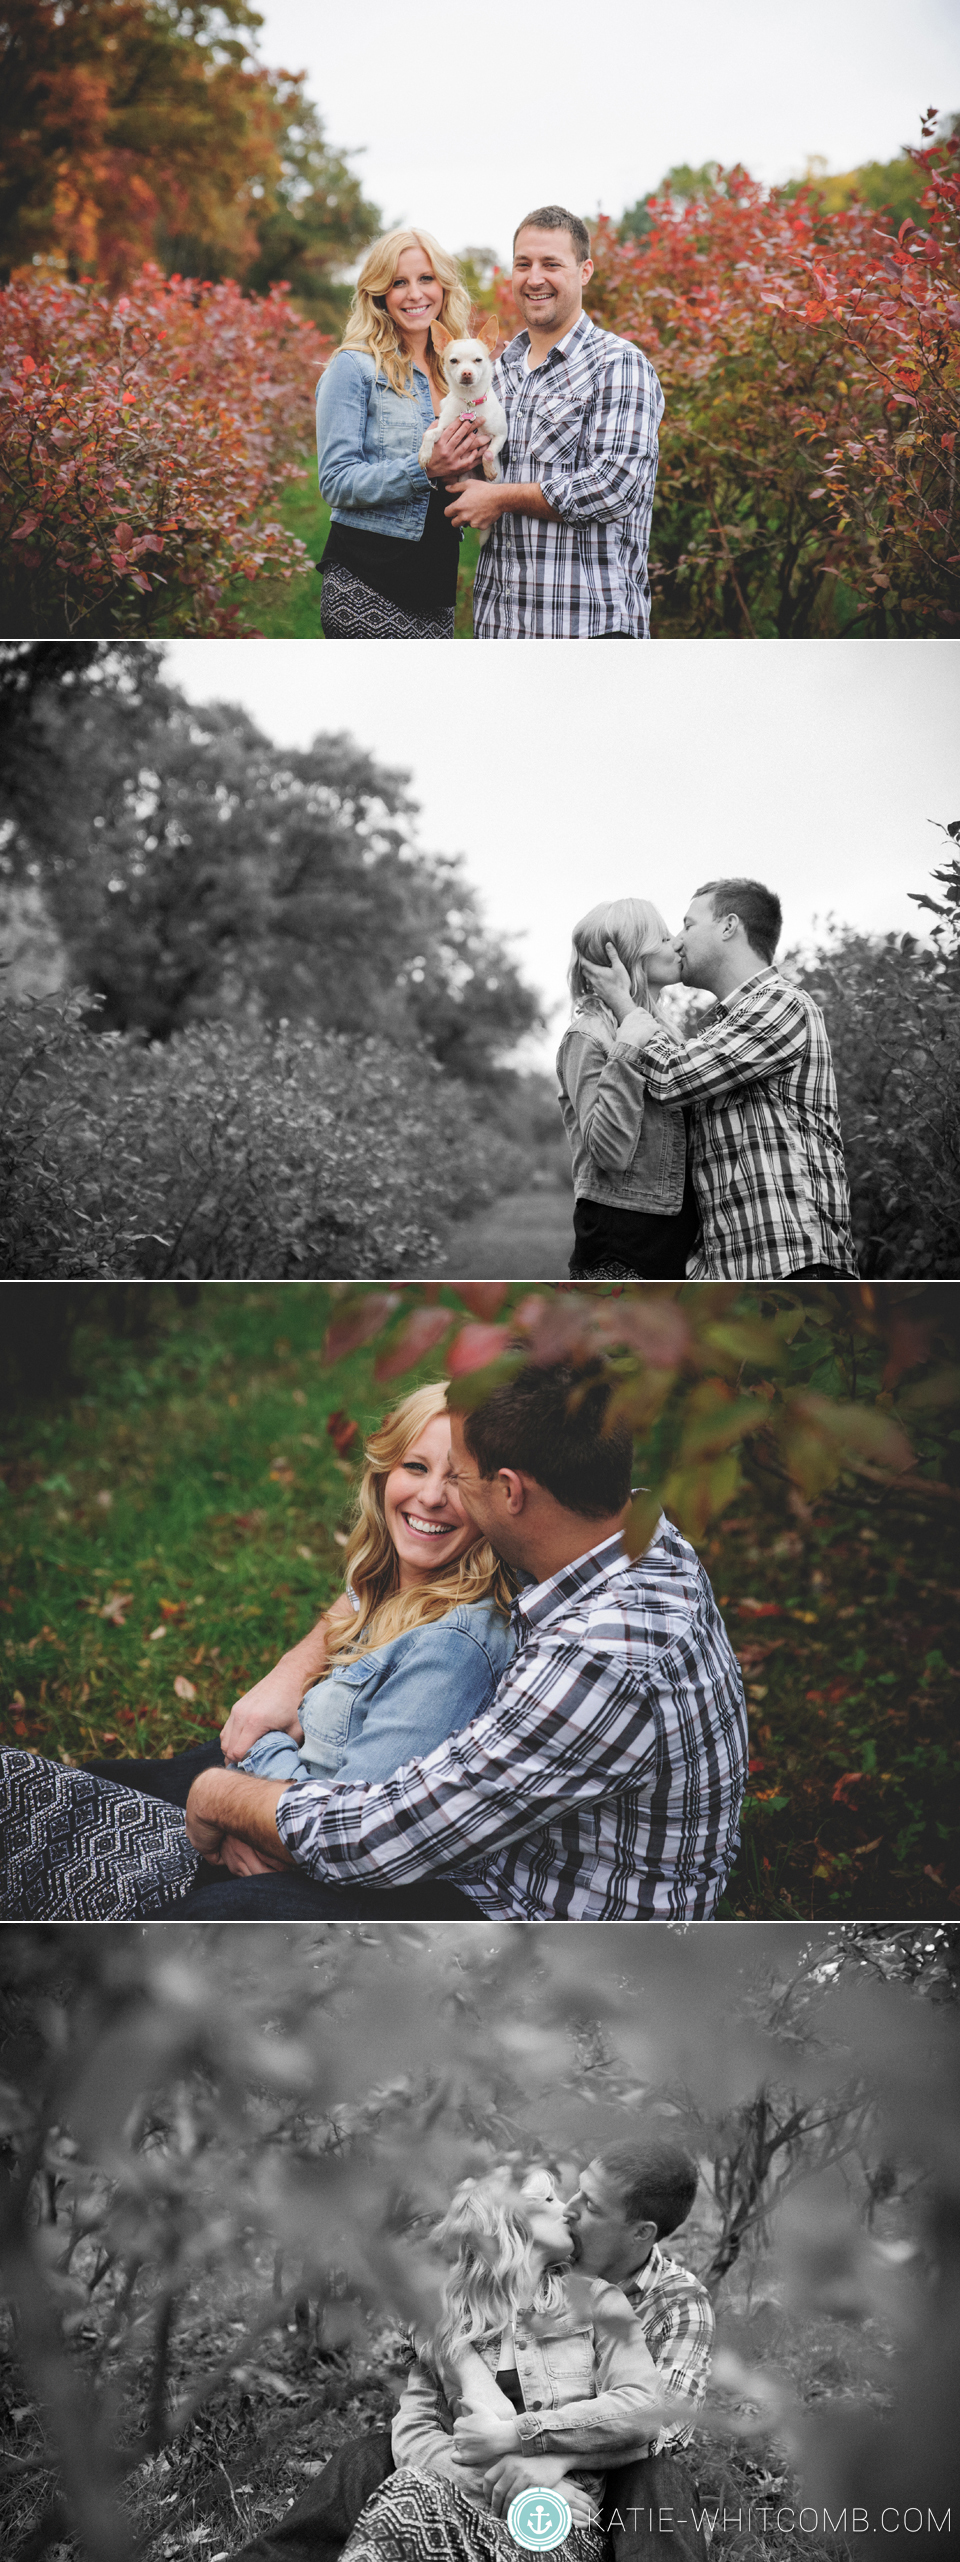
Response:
column 194, row 870
column 134, row 126
column 195, row 2145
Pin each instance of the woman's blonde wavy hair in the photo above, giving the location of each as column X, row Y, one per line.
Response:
column 492, row 2277
column 371, row 1563
column 635, row 927
column 369, row 325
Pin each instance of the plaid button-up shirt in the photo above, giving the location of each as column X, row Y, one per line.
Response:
column 583, row 424
column 766, row 1147
column 603, row 1783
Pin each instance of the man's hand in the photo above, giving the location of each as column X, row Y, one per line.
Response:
column 516, row 2473
column 222, row 1803
column 611, row 983
column 478, row 502
column 479, row 2436
column 459, row 447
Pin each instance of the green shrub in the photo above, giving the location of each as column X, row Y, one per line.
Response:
column 230, row 1151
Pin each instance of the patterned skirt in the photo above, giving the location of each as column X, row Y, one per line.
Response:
column 418, row 2517
column 75, row 1848
column 351, row 611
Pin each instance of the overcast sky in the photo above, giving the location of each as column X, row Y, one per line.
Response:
column 463, row 119
column 608, row 772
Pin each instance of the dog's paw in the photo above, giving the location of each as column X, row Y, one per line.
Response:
column 491, row 467
column 426, row 448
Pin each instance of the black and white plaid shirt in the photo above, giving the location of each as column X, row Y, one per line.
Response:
column 604, row 1781
column 766, row 1149
column 583, row 424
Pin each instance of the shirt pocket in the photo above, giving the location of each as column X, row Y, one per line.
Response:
column 570, row 2367
column 556, row 430
column 330, row 1714
column 395, row 423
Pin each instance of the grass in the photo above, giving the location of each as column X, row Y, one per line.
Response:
column 289, row 608
column 263, row 2437
column 177, row 1517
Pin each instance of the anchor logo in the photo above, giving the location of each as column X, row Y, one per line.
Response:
column 538, row 2520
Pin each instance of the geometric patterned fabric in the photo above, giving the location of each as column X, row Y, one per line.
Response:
column 75, row 1848
column 351, row 610
column 418, row 2517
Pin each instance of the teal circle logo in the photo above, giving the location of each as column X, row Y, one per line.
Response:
column 538, row 2520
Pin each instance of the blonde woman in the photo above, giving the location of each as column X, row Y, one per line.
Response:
column 635, row 1211
column 509, row 2341
column 390, row 563
column 411, row 1650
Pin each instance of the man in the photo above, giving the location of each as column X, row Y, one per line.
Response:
column 766, row 1148
column 628, row 2201
column 604, row 1781
column 569, row 523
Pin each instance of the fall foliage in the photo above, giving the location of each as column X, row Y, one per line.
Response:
column 137, row 129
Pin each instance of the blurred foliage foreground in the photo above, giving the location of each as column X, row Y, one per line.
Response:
column 178, row 1477
column 223, row 2154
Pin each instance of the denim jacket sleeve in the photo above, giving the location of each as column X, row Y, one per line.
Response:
column 421, row 2434
column 607, row 1093
column 348, row 476
column 434, row 1684
column 621, row 2416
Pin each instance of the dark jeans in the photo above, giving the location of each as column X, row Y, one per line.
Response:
column 638, row 2497
column 289, row 1895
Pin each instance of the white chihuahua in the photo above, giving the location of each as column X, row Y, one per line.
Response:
column 468, row 366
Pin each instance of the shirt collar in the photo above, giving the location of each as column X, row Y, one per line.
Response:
column 516, row 354
column 541, row 1602
column 647, row 2276
column 756, row 979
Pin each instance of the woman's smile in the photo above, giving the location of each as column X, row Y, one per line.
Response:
column 429, row 1529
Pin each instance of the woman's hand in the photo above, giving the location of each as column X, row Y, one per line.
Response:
column 273, row 1704
column 456, row 450
column 243, row 1861
column 611, row 983
column 480, row 2436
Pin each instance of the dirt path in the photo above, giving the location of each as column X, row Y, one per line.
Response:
column 526, row 1236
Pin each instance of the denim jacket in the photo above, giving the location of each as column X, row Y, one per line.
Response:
column 588, row 2383
column 368, row 440
column 394, row 1704
column 628, row 1150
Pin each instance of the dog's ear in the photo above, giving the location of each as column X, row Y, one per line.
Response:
column 442, row 338
column 489, row 331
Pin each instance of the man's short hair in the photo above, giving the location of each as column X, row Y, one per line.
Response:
column 656, row 2182
column 550, row 1424
column 556, row 218
column 759, row 911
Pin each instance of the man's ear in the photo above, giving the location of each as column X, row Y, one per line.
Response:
column 586, row 271
column 514, row 1488
column 488, row 331
column 442, row 338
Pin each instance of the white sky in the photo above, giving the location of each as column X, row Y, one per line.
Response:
column 465, row 118
column 607, row 772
